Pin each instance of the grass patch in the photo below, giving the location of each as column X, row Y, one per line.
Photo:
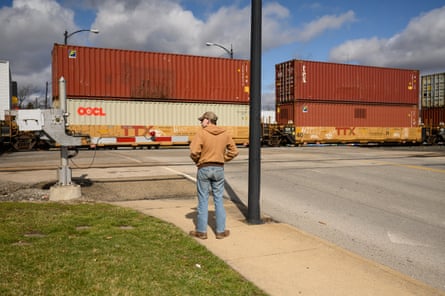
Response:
column 100, row 249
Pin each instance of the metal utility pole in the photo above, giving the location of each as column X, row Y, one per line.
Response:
column 253, row 208
column 46, row 96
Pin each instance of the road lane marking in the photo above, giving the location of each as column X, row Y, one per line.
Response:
column 417, row 167
column 127, row 157
column 401, row 239
column 181, row 174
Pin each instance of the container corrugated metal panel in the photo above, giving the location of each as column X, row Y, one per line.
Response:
column 104, row 119
column 321, row 81
column 433, row 90
column 116, row 112
column 136, row 75
column 348, row 115
column 433, row 117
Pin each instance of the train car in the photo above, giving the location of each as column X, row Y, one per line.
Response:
column 433, row 107
column 10, row 136
column 136, row 98
column 342, row 103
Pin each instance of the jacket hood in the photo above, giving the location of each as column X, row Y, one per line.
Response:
column 214, row 129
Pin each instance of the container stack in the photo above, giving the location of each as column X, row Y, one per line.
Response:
column 321, row 94
column 129, row 95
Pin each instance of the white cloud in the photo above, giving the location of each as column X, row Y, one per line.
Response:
column 420, row 46
column 327, row 22
column 274, row 10
column 29, row 29
column 139, row 26
column 179, row 30
column 228, row 26
column 146, row 25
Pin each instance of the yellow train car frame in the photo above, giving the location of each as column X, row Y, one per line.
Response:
column 361, row 135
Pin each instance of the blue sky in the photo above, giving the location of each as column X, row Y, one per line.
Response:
column 391, row 33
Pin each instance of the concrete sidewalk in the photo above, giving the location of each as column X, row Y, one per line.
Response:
column 282, row 260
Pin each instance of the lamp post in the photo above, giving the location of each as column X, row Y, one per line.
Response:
column 75, row 32
column 229, row 51
column 253, row 208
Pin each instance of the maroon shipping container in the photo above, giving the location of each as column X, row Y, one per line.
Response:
column 433, row 117
column 321, row 81
column 337, row 114
column 136, row 75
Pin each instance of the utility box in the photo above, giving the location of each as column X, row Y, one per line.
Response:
column 30, row 119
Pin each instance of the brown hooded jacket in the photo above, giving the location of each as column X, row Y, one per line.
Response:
column 212, row 145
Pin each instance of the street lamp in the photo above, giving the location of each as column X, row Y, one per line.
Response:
column 84, row 30
column 229, row 51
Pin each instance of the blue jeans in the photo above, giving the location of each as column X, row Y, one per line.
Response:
column 211, row 177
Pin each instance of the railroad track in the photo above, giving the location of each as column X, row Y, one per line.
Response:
column 39, row 167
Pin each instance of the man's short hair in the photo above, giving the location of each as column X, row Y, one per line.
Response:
column 210, row 116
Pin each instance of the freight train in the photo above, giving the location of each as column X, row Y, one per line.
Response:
column 148, row 99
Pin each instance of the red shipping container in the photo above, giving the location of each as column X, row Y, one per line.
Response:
column 321, row 81
column 339, row 114
column 433, row 117
column 104, row 73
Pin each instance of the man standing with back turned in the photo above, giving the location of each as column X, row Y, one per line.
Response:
column 210, row 148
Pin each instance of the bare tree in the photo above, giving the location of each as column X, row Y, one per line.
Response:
column 24, row 92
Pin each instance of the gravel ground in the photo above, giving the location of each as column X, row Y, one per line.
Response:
column 157, row 188
column 10, row 191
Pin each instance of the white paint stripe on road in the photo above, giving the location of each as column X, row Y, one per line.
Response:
column 417, row 167
column 403, row 240
column 128, row 157
column 181, row 174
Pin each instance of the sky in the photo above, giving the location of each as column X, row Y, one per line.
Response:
column 389, row 33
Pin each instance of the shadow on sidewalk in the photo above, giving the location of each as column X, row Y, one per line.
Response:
column 235, row 199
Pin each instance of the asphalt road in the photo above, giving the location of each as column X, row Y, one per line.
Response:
column 386, row 204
